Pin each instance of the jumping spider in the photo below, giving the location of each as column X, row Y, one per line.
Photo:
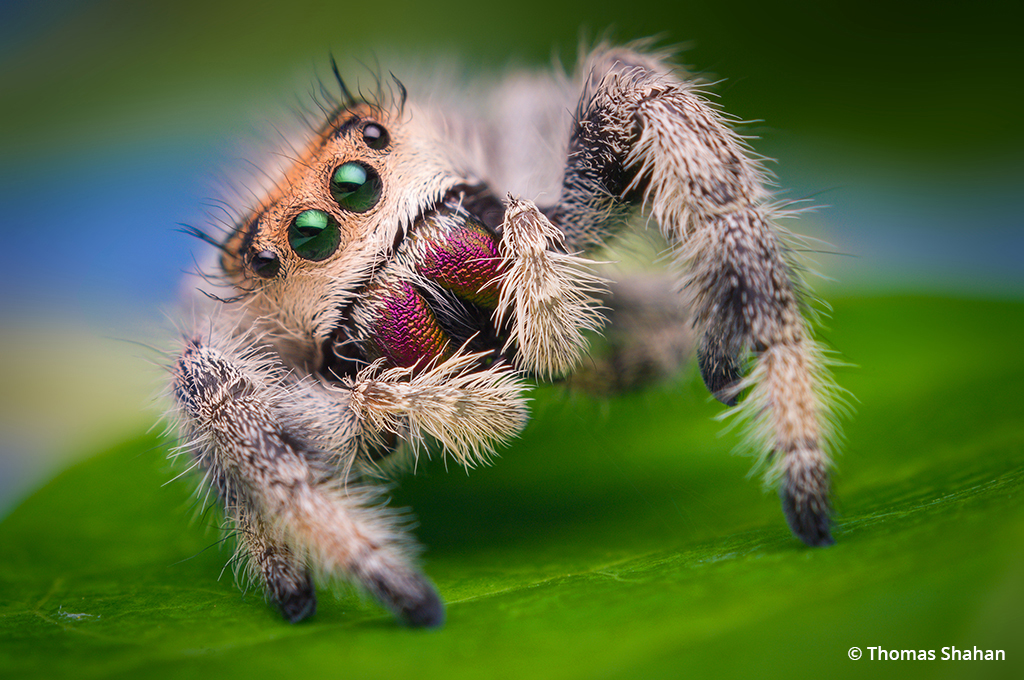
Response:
column 392, row 290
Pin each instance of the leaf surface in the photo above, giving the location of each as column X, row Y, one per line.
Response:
column 617, row 538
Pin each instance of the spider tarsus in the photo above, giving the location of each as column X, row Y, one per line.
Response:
column 810, row 526
column 720, row 371
column 289, row 583
column 413, row 599
column 298, row 605
column 426, row 613
column 807, row 512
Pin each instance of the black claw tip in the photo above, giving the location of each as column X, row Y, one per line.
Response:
column 412, row 598
column 809, row 522
column 425, row 613
column 298, row 606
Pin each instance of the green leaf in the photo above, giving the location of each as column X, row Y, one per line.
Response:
column 617, row 538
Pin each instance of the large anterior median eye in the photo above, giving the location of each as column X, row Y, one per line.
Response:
column 355, row 186
column 314, row 235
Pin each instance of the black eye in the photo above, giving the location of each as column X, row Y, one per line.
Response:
column 355, row 186
column 375, row 136
column 266, row 264
column 314, row 235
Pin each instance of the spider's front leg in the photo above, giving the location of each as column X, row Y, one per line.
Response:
column 642, row 136
column 288, row 499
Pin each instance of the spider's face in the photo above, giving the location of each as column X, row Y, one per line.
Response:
column 348, row 188
column 339, row 213
column 331, row 195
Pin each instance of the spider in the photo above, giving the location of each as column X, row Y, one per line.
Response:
column 397, row 287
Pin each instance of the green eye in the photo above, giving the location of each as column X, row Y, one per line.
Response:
column 314, row 235
column 355, row 186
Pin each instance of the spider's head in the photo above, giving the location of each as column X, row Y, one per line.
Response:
column 364, row 178
column 308, row 248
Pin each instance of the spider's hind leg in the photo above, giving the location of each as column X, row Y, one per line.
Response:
column 644, row 137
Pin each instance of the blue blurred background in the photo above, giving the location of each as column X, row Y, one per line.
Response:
column 118, row 119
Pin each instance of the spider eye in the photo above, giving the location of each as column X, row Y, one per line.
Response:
column 375, row 136
column 266, row 264
column 314, row 235
column 355, row 186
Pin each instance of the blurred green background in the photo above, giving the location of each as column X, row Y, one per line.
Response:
column 118, row 119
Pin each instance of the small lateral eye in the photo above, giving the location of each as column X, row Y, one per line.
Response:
column 266, row 264
column 375, row 136
column 355, row 186
column 314, row 235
